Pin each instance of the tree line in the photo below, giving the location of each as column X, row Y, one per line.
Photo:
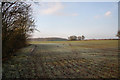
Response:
column 74, row 38
column 17, row 25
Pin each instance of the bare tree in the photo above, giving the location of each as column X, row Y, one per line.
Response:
column 118, row 34
column 83, row 37
column 17, row 24
column 72, row 38
column 79, row 38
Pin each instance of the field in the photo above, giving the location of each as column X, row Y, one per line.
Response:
column 64, row 59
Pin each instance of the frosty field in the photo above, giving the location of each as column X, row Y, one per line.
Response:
column 64, row 59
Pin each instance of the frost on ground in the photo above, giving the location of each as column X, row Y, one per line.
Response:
column 64, row 59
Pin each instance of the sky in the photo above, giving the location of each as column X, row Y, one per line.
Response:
column 94, row 20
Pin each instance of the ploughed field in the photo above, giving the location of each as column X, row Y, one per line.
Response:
column 64, row 59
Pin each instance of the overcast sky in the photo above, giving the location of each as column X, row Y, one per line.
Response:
column 63, row 19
